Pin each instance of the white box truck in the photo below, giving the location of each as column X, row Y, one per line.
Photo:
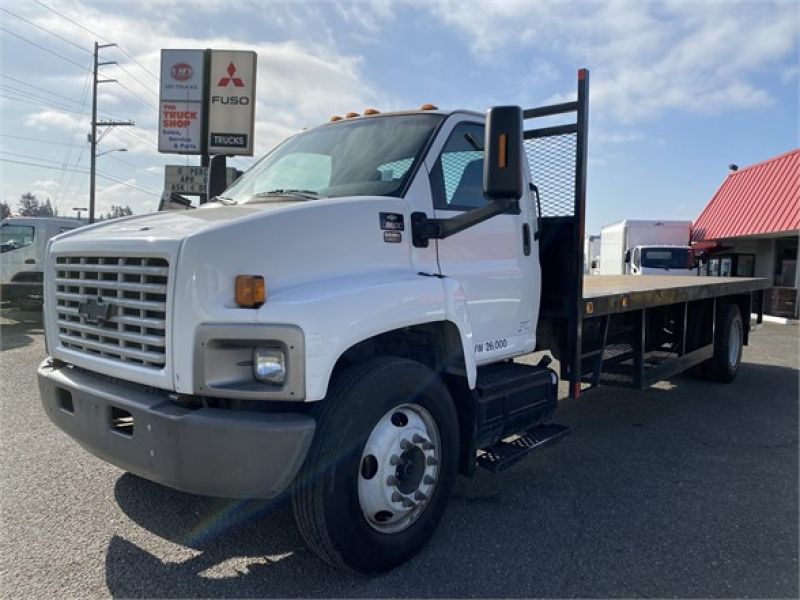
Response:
column 23, row 241
column 591, row 255
column 647, row 247
column 340, row 325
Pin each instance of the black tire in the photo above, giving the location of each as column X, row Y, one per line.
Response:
column 325, row 494
column 728, row 342
column 28, row 304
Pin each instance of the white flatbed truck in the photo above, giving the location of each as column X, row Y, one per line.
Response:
column 342, row 324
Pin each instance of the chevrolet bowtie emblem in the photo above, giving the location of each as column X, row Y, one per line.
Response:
column 95, row 311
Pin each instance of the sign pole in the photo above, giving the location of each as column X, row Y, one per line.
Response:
column 205, row 158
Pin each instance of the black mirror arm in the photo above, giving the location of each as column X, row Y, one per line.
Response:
column 424, row 229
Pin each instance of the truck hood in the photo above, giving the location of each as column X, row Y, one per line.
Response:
column 172, row 225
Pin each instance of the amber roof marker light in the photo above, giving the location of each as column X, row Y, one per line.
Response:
column 251, row 292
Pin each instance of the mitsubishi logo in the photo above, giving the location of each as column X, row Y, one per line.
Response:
column 237, row 82
column 95, row 312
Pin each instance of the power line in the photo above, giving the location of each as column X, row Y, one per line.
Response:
column 24, row 39
column 30, row 139
column 68, row 154
column 50, row 105
column 84, row 172
column 17, row 154
column 74, row 22
column 141, row 66
column 10, row 89
column 132, row 76
column 145, row 102
column 130, row 164
column 27, row 100
column 31, row 23
column 36, row 87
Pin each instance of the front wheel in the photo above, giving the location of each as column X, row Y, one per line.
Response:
column 381, row 468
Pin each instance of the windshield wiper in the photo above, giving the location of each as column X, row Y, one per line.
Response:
column 311, row 194
column 223, row 200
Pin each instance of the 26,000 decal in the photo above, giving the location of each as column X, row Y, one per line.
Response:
column 491, row 345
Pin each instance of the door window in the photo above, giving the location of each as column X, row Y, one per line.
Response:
column 14, row 237
column 457, row 176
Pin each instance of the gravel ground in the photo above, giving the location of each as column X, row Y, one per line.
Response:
column 689, row 489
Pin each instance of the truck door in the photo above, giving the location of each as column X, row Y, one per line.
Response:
column 18, row 248
column 497, row 261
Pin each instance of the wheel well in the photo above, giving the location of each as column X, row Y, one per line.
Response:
column 438, row 346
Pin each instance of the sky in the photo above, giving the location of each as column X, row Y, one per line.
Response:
column 679, row 89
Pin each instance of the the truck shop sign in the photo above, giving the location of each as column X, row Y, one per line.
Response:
column 231, row 102
column 207, row 102
column 180, row 119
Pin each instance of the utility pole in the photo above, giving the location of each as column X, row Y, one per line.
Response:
column 93, row 135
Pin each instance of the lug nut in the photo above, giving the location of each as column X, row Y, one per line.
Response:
column 405, row 444
column 418, row 439
column 427, row 446
column 428, row 480
column 397, row 497
column 394, row 460
column 408, row 503
column 391, row 480
column 431, row 461
column 419, row 496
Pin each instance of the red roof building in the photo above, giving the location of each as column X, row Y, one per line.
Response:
column 751, row 227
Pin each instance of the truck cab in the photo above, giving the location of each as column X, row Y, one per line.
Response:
column 23, row 241
column 661, row 260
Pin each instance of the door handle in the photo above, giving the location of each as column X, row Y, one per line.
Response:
column 30, row 261
column 526, row 239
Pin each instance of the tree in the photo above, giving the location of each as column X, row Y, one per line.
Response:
column 117, row 211
column 5, row 210
column 29, row 206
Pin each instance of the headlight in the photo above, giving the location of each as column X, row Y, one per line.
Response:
column 269, row 365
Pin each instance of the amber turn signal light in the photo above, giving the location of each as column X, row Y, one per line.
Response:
column 250, row 291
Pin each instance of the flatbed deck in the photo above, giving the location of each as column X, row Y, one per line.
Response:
column 606, row 294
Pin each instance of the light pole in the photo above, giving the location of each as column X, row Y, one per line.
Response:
column 79, row 210
column 114, row 150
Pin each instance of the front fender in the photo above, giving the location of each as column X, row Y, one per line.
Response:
column 335, row 315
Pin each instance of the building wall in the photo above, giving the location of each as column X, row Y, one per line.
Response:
column 780, row 301
column 763, row 249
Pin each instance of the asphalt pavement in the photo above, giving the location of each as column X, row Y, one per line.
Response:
column 689, row 489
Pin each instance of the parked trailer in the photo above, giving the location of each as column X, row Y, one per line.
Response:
column 349, row 338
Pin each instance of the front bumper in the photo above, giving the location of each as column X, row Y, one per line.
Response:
column 207, row 451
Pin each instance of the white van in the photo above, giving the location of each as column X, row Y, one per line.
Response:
column 22, row 246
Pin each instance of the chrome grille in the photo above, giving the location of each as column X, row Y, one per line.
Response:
column 131, row 295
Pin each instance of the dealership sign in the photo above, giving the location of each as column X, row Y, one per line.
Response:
column 189, row 180
column 207, row 102
column 231, row 108
column 181, row 103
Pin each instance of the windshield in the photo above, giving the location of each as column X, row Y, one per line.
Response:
column 13, row 237
column 371, row 156
column 668, row 258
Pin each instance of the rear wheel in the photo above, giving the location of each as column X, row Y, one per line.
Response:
column 381, row 467
column 728, row 343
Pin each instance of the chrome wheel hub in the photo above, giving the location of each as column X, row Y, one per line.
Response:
column 399, row 468
column 734, row 343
